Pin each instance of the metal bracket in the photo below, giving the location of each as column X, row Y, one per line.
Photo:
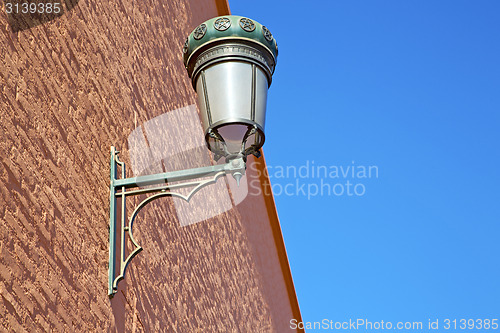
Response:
column 195, row 178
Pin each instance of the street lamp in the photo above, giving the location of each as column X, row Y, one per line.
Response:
column 230, row 60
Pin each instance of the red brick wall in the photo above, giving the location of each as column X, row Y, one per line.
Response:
column 69, row 89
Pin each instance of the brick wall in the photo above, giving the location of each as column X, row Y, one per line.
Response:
column 69, row 89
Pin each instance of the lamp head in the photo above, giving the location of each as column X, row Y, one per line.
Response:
column 231, row 61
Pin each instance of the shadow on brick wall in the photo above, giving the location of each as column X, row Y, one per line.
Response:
column 24, row 14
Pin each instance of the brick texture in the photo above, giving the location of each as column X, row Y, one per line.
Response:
column 69, row 89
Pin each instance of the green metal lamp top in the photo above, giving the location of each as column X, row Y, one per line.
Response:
column 228, row 27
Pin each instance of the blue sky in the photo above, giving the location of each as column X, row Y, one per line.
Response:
column 412, row 88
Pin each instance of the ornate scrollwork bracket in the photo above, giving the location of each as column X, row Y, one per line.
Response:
column 166, row 182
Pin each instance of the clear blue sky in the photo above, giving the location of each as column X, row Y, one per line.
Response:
column 412, row 87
